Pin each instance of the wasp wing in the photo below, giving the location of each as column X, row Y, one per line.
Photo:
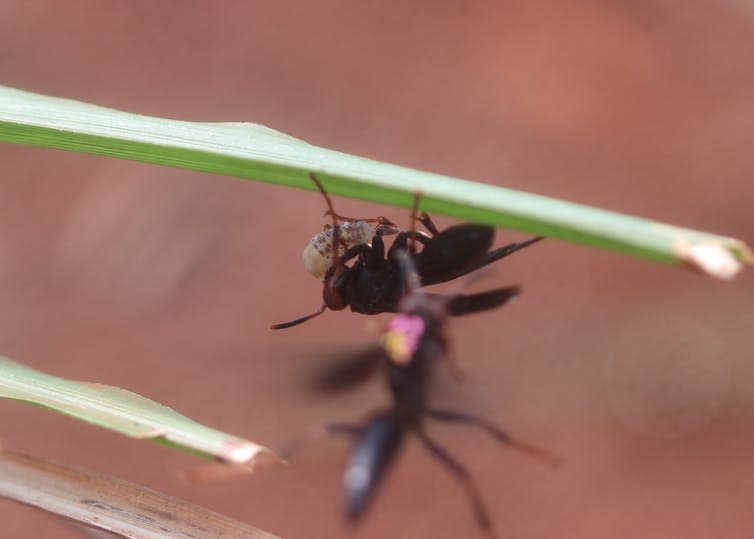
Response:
column 461, row 304
column 447, row 271
column 348, row 370
column 454, row 249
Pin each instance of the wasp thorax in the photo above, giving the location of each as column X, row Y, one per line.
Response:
column 317, row 255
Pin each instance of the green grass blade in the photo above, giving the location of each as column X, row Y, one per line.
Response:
column 256, row 152
column 111, row 504
column 122, row 411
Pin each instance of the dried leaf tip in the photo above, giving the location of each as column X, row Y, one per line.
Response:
column 711, row 258
column 242, row 461
column 248, row 453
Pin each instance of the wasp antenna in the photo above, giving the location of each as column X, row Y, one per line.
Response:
column 301, row 320
column 414, row 218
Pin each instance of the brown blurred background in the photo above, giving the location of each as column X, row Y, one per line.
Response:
column 164, row 281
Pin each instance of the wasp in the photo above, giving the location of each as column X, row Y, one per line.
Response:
column 412, row 345
column 372, row 284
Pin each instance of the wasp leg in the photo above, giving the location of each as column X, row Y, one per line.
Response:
column 317, row 432
column 330, row 209
column 380, row 220
column 383, row 222
column 335, row 224
column 408, row 270
column 426, row 220
column 401, row 241
column 497, row 433
column 451, row 360
column 352, row 252
column 414, row 218
column 462, row 474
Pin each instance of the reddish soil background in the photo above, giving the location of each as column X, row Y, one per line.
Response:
column 164, row 281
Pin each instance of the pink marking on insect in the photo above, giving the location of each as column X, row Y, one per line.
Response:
column 402, row 337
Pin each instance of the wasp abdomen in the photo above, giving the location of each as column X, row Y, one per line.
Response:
column 373, row 454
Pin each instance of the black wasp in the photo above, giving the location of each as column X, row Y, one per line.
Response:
column 412, row 344
column 373, row 283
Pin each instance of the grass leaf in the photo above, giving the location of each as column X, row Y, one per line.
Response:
column 256, row 152
column 122, row 411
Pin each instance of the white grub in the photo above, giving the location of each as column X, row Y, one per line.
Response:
column 317, row 255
